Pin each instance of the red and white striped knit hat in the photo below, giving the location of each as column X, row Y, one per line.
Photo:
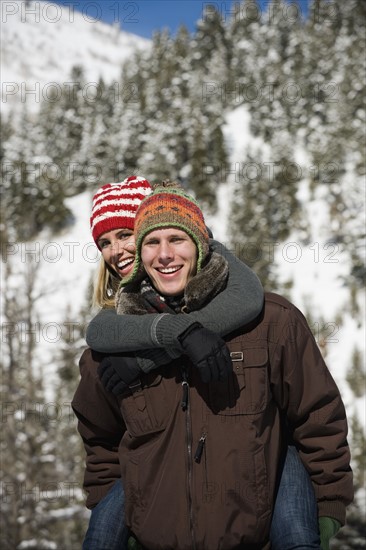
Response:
column 115, row 205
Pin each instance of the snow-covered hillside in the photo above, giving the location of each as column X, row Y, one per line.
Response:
column 41, row 42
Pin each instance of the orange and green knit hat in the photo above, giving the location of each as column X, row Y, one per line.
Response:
column 169, row 206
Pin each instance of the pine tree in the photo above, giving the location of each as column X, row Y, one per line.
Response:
column 263, row 210
column 41, row 477
column 245, row 29
column 96, row 153
column 210, row 40
column 356, row 376
column 25, row 435
column 30, row 176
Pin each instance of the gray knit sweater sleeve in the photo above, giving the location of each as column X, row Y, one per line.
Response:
column 234, row 307
column 237, row 305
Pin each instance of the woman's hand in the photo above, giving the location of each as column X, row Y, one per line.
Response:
column 207, row 351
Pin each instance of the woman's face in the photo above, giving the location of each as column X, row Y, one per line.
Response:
column 118, row 250
column 169, row 256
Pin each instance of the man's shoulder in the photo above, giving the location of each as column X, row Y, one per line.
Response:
column 274, row 299
column 278, row 306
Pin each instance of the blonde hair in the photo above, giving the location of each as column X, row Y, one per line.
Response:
column 105, row 286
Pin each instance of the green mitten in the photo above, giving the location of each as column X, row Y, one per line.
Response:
column 328, row 528
column 133, row 544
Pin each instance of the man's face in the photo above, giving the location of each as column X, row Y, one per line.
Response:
column 170, row 259
column 118, row 250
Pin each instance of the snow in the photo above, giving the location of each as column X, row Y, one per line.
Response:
column 66, row 513
column 66, row 264
column 34, row 543
column 52, row 39
column 68, row 260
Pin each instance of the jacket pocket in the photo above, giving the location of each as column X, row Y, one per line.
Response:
column 246, row 391
column 146, row 409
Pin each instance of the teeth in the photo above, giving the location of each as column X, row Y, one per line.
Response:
column 168, row 269
column 121, row 265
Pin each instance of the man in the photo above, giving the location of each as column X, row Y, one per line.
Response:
column 202, row 440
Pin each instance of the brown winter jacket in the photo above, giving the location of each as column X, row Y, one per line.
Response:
column 205, row 477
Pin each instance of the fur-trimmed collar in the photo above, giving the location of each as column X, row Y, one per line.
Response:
column 208, row 282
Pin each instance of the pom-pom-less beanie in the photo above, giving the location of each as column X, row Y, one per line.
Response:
column 170, row 207
column 115, row 205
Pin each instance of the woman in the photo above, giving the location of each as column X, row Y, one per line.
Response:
column 112, row 222
column 190, row 331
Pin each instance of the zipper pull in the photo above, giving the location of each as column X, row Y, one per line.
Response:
column 184, row 402
column 199, row 450
column 185, row 386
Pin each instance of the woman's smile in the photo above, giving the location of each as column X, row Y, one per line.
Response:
column 118, row 250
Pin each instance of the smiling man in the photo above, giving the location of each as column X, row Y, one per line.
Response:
column 200, row 441
column 183, row 248
column 169, row 256
column 112, row 220
column 209, row 451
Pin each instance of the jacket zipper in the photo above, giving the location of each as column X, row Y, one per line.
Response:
column 187, row 410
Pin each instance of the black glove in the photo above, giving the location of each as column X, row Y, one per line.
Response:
column 207, row 351
column 118, row 372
